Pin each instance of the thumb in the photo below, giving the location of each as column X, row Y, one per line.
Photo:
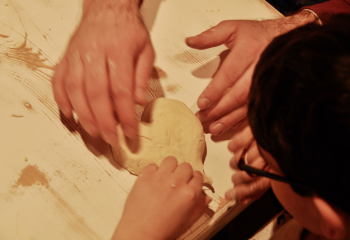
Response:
column 222, row 33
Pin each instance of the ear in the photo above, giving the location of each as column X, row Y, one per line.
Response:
column 333, row 224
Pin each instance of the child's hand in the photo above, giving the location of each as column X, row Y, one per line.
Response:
column 246, row 188
column 164, row 202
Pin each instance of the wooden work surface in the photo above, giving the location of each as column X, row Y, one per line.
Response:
column 57, row 182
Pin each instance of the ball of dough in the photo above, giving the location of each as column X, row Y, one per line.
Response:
column 167, row 128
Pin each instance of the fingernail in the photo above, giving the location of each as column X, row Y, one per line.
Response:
column 91, row 129
column 201, row 118
column 110, row 137
column 129, row 131
column 208, row 200
column 230, row 195
column 217, row 129
column 203, row 103
column 140, row 96
column 66, row 111
column 189, row 40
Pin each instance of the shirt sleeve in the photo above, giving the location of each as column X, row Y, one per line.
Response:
column 327, row 9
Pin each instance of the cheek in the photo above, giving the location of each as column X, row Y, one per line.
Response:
column 301, row 208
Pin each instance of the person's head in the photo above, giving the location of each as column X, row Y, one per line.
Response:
column 299, row 113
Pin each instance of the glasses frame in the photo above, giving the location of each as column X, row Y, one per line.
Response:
column 253, row 172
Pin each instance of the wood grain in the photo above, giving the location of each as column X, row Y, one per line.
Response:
column 56, row 181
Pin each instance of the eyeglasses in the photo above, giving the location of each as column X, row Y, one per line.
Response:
column 253, row 172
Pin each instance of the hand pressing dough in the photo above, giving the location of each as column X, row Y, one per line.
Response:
column 167, row 128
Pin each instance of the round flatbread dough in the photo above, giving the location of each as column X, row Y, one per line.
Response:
column 168, row 128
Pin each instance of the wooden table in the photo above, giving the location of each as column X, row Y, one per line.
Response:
column 57, row 182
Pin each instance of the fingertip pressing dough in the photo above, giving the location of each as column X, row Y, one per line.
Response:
column 167, row 128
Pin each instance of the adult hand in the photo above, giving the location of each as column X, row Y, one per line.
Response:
column 105, row 68
column 223, row 102
column 246, row 188
column 164, row 202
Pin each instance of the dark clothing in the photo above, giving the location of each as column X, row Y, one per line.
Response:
column 325, row 10
column 287, row 7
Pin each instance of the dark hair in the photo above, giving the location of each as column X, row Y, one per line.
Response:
column 299, row 107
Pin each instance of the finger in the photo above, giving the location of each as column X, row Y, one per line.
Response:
column 59, row 90
column 76, row 91
column 241, row 177
column 253, row 155
column 232, row 99
column 143, row 72
column 184, row 172
column 169, row 164
column 97, row 90
column 232, row 120
column 215, row 36
column 121, row 73
column 196, row 181
column 252, row 158
column 233, row 67
column 240, row 140
column 252, row 190
column 149, row 169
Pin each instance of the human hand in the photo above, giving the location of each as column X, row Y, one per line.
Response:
column 246, row 188
column 105, row 69
column 164, row 202
column 223, row 102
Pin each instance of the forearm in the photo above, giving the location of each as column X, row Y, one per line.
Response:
column 102, row 7
column 285, row 24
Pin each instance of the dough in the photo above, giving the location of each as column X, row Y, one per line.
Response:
column 168, row 128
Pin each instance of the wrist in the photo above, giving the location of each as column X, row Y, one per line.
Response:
column 123, row 233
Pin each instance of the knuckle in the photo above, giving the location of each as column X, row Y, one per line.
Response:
column 148, row 168
column 215, row 114
column 158, row 178
column 189, row 194
column 240, row 96
column 228, row 78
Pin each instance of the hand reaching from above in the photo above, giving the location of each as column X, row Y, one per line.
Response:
column 164, row 202
column 246, row 188
column 105, row 68
column 223, row 102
